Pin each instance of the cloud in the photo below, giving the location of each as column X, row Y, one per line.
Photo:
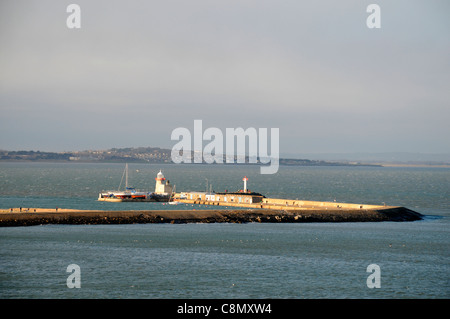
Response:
column 230, row 63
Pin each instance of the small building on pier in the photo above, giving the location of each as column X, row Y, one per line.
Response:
column 242, row 196
column 226, row 197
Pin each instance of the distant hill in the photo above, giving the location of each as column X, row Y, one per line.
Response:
column 161, row 155
column 376, row 157
column 384, row 159
column 137, row 155
column 33, row 156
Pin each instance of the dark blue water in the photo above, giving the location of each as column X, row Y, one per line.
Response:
column 318, row 260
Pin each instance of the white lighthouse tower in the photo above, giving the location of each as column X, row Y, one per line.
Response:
column 245, row 179
column 161, row 186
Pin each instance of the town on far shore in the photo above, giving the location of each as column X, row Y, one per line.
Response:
column 162, row 155
column 140, row 155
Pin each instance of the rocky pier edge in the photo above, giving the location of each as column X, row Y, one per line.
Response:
column 95, row 217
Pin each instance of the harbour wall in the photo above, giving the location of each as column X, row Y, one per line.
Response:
column 77, row 217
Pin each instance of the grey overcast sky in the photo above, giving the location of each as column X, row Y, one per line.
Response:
column 136, row 70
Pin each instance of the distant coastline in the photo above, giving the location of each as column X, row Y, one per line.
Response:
column 158, row 155
column 138, row 155
column 415, row 165
column 154, row 155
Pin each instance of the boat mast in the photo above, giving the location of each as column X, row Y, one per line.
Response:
column 126, row 176
column 125, row 172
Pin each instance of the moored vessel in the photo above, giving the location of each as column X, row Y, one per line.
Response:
column 162, row 193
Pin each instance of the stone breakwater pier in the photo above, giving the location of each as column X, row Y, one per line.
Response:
column 42, row 216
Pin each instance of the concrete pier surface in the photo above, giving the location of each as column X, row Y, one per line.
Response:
column 41, row 216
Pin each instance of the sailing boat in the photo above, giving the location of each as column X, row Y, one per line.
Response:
column 129, row 194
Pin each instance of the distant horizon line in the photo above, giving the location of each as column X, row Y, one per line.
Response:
column 386, row 156
column 167, row 148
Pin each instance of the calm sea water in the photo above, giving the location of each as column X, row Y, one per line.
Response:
column 317, row 260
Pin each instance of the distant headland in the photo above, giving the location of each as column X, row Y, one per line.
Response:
column 159, row 155
column 138, row 155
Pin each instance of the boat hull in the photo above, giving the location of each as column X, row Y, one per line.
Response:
column 111, row 197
